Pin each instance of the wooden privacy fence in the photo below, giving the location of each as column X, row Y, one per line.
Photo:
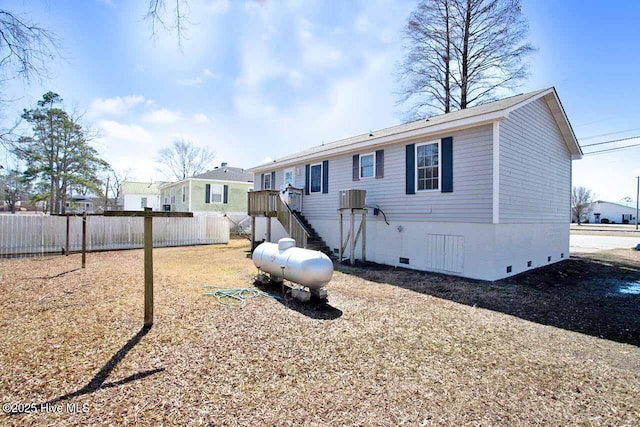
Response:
column 29, row 235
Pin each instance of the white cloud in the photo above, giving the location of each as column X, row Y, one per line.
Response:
column 218, row 7
column 200, row 118
column 162, row 116
column 139, row 68
column 207, row 74
column 190, row 82
column 114, row 106
column 123, row 132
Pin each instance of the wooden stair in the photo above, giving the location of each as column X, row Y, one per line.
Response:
column 314, row 241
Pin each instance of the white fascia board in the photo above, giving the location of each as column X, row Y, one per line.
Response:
column 173, row 184
column 374, row 142
column 222, row 181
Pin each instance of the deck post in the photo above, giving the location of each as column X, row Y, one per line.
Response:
column 352, row 247
column 363, row 225
column 268, row 229
column 253, row 232
column 341, row 235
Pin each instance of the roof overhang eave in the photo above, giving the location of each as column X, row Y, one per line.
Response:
column 376, row 142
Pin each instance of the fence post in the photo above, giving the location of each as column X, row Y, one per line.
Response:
column 66, row 252
column 148, row 267
column 84, row 239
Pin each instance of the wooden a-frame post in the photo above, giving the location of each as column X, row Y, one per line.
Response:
column 148, row 215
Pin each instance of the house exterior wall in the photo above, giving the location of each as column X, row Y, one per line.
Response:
column 475, row 250
column 457, row 232
column 195, row 197
column 133, row 202
column 535, row 168
column 470, row 201
column 611, row 211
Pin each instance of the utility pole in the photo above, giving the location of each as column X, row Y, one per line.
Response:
column 637, row 195
column 106, row 195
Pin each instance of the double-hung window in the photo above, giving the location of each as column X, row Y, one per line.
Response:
column 428, row 166
column 267, row 181
column 367, row 165
column 316, row 178
column 216, row 193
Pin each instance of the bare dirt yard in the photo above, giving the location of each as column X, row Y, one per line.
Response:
column 556, row 346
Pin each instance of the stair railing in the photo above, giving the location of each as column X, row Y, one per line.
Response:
column 296, row 229
column 268, row 203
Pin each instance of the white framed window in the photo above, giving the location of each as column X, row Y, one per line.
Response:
column 173, row 197
column 216, row 193
column 184, row 193
column 367, row 165
column 143, row 202
column 428, row 166
column 267, row 181
column 315, row 182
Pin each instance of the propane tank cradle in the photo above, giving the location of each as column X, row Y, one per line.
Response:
column 312, row 269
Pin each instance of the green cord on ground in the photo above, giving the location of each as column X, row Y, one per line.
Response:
column 234, row 297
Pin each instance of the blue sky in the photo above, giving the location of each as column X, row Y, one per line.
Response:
column 257, row 80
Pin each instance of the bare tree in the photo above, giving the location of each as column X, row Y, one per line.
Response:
column 427, row 66
column 581, row 203
column 179, row 17
column 183, row 159
column 25, row 48
column 461, row 53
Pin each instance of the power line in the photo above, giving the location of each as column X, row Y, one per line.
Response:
column 611, row 141
column 608, row 133
column 612, row 149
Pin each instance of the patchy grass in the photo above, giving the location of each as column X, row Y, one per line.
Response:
column 392, row 347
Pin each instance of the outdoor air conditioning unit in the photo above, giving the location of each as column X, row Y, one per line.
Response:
column 166, row 208
column 352, row 199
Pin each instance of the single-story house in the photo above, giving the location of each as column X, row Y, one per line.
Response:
column 482, row 192
column 135, row 196
column 602, row 212
column 221, row 191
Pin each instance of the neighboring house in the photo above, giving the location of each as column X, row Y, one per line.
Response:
column 81, row 204
column 611, row 213
column 221, row 191
column 135, row 196
column 482, row 192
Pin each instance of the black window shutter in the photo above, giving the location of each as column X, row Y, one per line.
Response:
column 356, row 168
column 410, row 169
column 447, row 164
column 307, row 178
column 225, row 194
column 262, row 182
column 379, row 163
column 207, row 193
column 325, row 176
column 273, row 180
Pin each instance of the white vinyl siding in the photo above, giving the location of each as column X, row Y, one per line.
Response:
column 471, row 200
column 535, row 167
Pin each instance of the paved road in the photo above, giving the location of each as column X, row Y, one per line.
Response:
column 586, row 243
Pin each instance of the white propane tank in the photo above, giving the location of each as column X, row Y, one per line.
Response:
column 312, row 269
